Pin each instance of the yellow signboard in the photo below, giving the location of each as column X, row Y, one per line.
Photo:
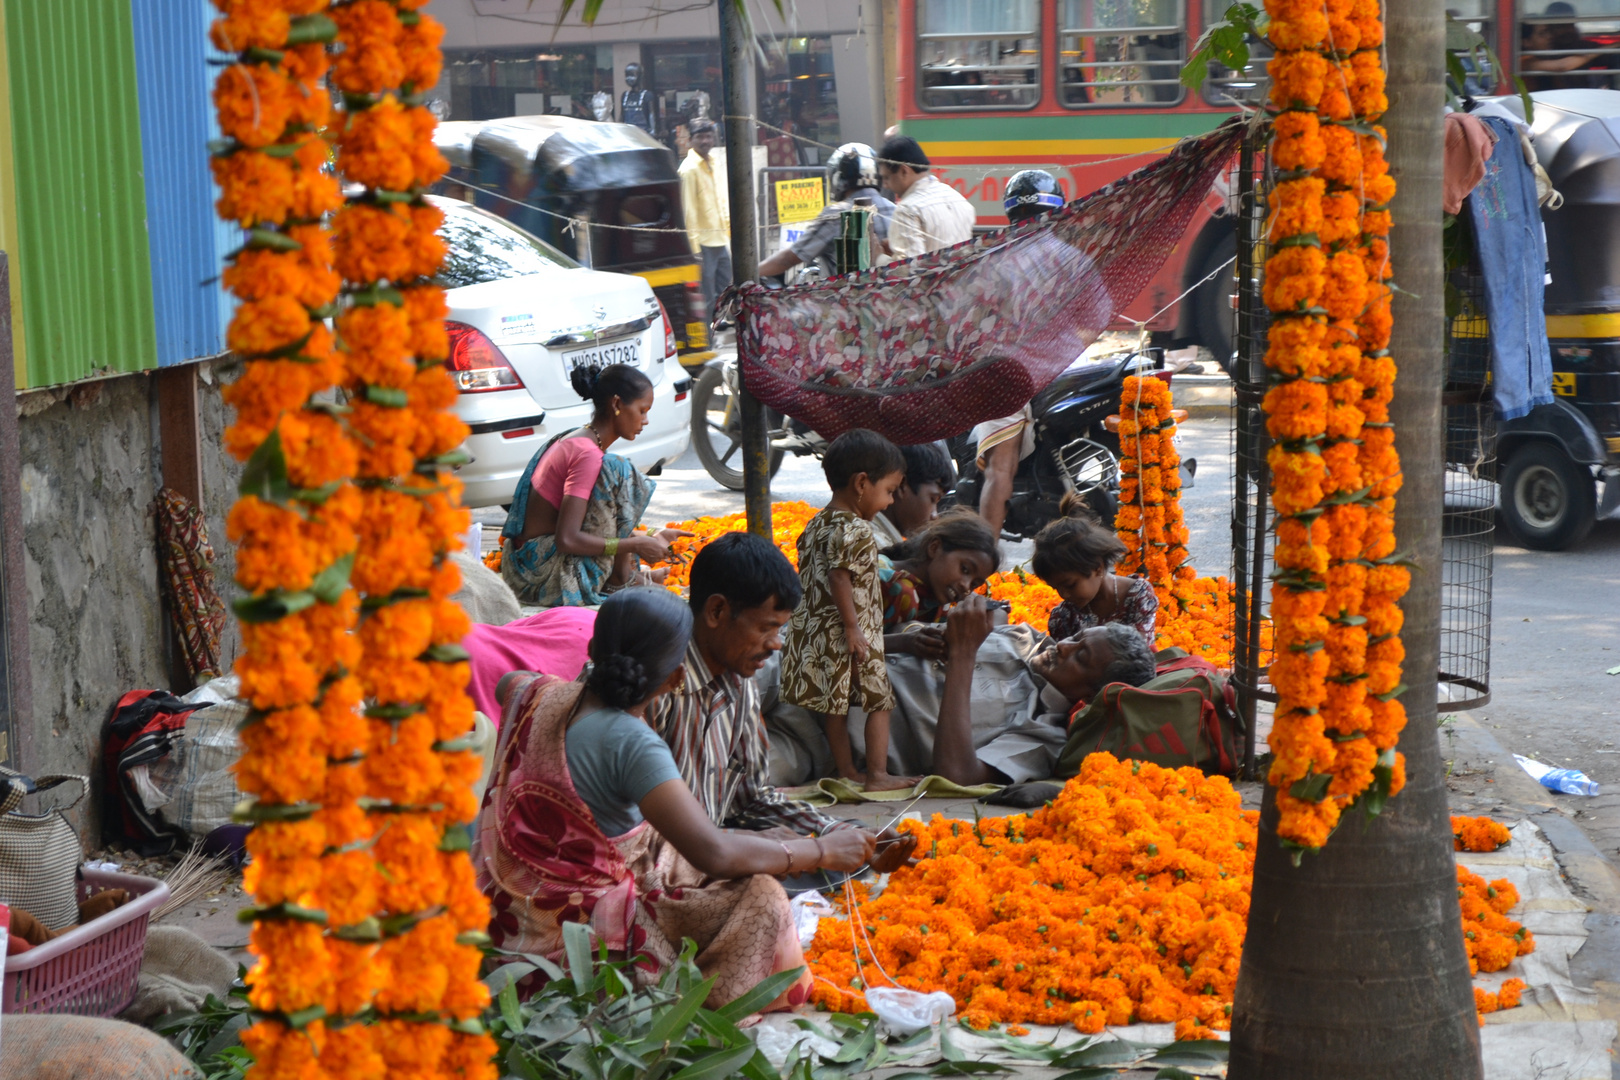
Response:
column 799, row 200
column 1563, row 383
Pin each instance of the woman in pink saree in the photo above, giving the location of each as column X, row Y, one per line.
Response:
column 587, row 820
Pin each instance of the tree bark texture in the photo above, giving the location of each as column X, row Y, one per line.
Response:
column 737, row 82
column 1354, row 964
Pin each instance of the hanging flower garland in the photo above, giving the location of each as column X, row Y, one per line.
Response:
column 1149, row 520
column 422, row 908
column 1336, row 671
column 295, row 523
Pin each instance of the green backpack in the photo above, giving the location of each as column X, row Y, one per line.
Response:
column 1184, row 715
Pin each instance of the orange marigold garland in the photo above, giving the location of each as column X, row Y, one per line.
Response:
column 1149, row 520
column 416, row 920
column 295, row 523
column 1336, row 671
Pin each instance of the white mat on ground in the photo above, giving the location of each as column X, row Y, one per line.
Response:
column 1555, row 1034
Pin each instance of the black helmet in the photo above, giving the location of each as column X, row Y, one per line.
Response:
column 853, row 165
column 1030, row 194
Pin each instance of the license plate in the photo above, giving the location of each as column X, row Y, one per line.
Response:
column 612, row 352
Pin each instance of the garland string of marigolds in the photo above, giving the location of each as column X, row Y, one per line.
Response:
column 294, row 524
column 1334, row 472
column 367, row 920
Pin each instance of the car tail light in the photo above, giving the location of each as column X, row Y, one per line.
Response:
column 476, row 363
column 669, row 330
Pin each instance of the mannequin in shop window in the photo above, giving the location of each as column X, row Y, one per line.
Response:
column 638, row 107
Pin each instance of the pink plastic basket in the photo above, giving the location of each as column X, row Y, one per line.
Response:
column 91, row 969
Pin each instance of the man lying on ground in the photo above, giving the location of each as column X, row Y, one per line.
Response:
column 997, row 712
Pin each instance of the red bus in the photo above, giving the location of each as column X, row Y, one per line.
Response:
column 1089, row 90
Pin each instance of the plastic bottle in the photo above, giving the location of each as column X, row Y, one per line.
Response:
column 1568, row 781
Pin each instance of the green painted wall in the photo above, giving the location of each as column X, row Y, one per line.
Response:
column 81, row 207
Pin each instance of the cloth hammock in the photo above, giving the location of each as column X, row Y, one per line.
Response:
column 925, row 348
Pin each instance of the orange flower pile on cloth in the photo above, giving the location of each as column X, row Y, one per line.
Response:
column 1124, row 899
column 1333, row 465
column 1031, row 598
column 414, row 914
column 1492, row 939
column 1478, row 833
column 788, row 520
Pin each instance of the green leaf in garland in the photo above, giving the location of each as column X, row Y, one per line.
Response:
column 265, row 474
column 391, row 396
column 271, row 606
column 1312, row 789
column 449, row 653
column 456, row 838
column 331, row 583
column 309, row 29
column 252, row 811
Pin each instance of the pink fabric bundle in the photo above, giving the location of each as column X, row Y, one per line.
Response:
column 1469, row 143
column 554, row 642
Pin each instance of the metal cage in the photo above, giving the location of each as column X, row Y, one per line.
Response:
column 1470, row 470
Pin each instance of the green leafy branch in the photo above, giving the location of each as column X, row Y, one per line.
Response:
column 1226, row 41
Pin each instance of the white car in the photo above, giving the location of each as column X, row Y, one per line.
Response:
column 522, row 316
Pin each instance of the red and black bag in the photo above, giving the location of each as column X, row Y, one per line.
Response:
column 142, row 729
column 1185, row 715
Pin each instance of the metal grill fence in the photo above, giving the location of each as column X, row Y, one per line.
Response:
column 1468, row 525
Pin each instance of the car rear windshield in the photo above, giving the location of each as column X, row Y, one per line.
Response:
column 484, row 248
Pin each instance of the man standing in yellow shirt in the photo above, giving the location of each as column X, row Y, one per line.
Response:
column 708, row 212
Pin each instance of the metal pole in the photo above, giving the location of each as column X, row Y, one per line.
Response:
column 737, row 79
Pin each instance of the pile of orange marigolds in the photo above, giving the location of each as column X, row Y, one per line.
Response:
column 1125, row 900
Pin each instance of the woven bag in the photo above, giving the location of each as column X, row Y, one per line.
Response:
column 39, row 853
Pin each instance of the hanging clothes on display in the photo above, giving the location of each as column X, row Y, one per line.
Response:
column 1512, row 250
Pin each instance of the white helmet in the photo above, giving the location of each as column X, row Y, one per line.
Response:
column 853, row 165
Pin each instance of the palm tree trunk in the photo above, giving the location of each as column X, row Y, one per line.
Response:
column 1354, row 964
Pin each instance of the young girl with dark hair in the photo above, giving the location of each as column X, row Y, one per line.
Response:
column 942, row 564
column 568, row 536
column 1075, row 555
column 587, row 819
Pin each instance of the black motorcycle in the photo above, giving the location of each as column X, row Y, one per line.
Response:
column 1073, row 449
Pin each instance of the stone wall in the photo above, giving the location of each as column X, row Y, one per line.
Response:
column 90, row 470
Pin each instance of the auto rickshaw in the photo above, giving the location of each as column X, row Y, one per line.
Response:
column 1549, row 462
column 546, row 174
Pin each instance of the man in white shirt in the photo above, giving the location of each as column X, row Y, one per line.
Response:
column 928, row 214
column 708, row 211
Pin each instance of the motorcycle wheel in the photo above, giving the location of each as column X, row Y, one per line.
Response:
column 717, row 430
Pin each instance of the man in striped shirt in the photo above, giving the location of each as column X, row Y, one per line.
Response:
column 743, row 591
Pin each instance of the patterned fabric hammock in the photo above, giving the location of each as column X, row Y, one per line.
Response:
column 926, row 348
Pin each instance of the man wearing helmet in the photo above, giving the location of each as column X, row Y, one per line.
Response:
column 852, row 173
column 1006, row 441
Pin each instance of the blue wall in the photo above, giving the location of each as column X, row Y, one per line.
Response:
column 187, row 242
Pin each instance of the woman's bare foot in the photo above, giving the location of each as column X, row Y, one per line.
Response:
column 877, row 781
column 851, row 777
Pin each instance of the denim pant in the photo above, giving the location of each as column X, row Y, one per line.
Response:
column 1513, row 259
column 716, row 277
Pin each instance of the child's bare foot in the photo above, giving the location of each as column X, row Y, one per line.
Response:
column 877, row 781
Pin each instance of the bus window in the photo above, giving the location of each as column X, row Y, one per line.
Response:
column 1476, row 15
column 978, row 54
column 1226, row 87
column 1564, row 46
column 1120, row 52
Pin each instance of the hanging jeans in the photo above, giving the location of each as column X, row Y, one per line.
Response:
column 1513, row 259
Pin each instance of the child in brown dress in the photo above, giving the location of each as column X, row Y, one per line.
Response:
column 833, row 657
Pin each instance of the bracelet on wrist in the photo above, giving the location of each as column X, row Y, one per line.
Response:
column 610, row 546
column 789, row 853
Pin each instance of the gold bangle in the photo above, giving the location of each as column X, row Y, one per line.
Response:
column 610, row 546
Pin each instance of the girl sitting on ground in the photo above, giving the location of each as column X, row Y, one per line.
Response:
column 587, row 819
column 940, row 565
column 1075, row 555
